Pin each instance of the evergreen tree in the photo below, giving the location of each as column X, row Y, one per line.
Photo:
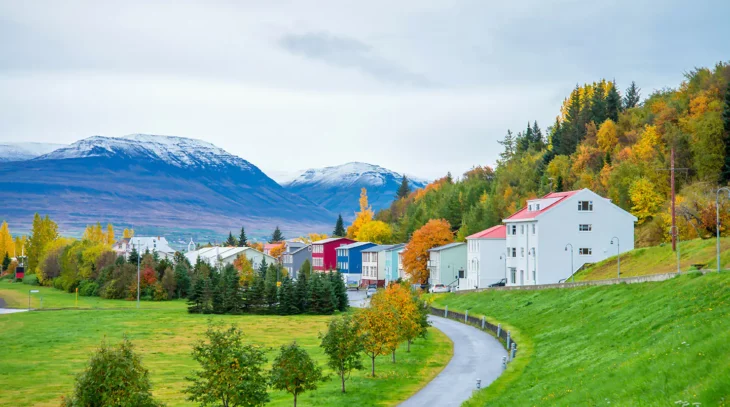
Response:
column 232, row 301
column 449, row 178
column 231, row 241
column 322, row 296
column 6, row 262
column 573, row 132
column 538, row 140
column 404, row 189
column 255, row 294
column 182, row 280
column 287, row 298
column 598, row 105
column 206, row 306
column 556, row 137
column 339, row 227
column 242, row 240
column 217, row 293
column 633, row 96
column 305, row 268
column 195, row 298
column 263, row 268
column 509, row 147
column 133, row 256
column 277, row 236
column 270, row 287
column 725, row 177
column 342, row 302
column 301, row 292
column 613, row 103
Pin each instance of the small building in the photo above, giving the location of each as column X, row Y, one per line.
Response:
column 393, row 264
column 324, row 253
column 294, row 257
column 447, row 264
column 143, row 244
column 373, row 265
column 401, row 269
column 538, row 236
column 217, row 256
column 349, row 261
column 486, row 263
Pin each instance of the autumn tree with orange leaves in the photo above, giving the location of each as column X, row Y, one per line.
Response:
column 278, row 250
column 245, row 270
column 409, row 319
column 361, row 218
column 436, row 232
column 379, row 328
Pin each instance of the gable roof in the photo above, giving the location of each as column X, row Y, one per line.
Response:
column 330, row 240
column 495, row 232
column 525, row 214
column 298, row 249
column 396, row 247
column 379, row 248
column 446, row 246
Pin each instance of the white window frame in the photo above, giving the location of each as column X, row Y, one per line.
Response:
column 589, row 227
column 522, row 229
column 514, row 252
column 580, row 206
column 585, row 251
column 534, row 227
column 522, row 252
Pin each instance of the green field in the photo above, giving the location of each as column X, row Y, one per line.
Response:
column 650, row 344
column 42, row 351
column 661, row 259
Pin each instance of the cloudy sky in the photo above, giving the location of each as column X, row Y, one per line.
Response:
column 417, row 86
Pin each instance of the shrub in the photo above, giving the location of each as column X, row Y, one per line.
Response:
column 88, row 288
column 31, row 279
column 113, row 377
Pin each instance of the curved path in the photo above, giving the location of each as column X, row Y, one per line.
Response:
column 477, row 355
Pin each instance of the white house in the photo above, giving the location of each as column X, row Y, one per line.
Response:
column 538, row 236
column 485, row 264
column 373, row 265
column 144, row 243
column 223, row 256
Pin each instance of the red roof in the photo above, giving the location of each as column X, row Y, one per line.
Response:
column 525, row 214
column 495, row 232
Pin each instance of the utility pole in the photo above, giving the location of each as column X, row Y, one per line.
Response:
column 672, row 170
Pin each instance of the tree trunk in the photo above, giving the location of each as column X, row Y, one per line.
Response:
column 342, row 376
column 373, row 359
column 409, row 346
column 295, row 399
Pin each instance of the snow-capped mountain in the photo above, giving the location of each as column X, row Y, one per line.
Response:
column 176, row 151
column 152, row 181
column 25, row 150
column 338, row 188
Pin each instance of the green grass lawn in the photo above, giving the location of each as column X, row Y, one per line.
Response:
column 43, row 351
column 661, row 259
column 650, row 344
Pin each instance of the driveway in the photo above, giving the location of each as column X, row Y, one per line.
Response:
column 357, row 298
column 4, row 310
column 477, row 355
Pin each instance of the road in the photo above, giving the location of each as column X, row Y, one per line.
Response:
column 4, row 310
column 477, row 355
column 357, row 298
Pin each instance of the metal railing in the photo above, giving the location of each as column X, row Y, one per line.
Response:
column 503, row 336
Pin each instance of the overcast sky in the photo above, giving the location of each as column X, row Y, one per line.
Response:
column 422, row 87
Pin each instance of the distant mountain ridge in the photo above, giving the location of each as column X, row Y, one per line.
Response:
column 153, row 180
column 337, row 188
column 22, row 151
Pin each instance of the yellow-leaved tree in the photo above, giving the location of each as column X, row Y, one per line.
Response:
column 378, row 324
column 607, row 136
column 645, row 200
column 646, row 149
column 361, row 218
column 245, row 270
column 109, row 233
column 7, row 245
column 128, row 233
column 277, row 251
column 375, row 231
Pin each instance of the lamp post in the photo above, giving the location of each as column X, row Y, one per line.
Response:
column 572, row 273
column 675, row 231
column 618, row 254
column 717, row 226
column 134, row 247
column 504, row 257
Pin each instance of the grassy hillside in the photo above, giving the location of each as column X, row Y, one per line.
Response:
column 661, row 259
column 43, row 351
column 650, row 344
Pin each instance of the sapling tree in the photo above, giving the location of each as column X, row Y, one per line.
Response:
column 295, row 371
column 232, row 373
column 342, row 344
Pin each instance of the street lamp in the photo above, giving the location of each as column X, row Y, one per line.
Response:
column 134, row 247
column 572, row 273
column 675, row 230
column 504, row 257
column 618, row 254
column 717, row 209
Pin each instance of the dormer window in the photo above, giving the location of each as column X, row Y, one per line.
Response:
column 537, row 207
column 585, row 206
column 529, row 207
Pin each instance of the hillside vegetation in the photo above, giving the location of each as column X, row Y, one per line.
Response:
column 650, row 344
column 618, row 145
column 661, row 259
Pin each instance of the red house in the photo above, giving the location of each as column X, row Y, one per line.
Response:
column 324, row 253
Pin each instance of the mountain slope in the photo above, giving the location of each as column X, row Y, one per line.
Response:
column 338, row 188
column 25, row 150
column 152, row 181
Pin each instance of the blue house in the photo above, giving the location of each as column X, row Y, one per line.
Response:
column 349, row 261
column 392, row 263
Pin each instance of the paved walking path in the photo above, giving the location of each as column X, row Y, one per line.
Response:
column 477, row 355
column 4, row 310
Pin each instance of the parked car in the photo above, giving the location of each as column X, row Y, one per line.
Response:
column 500, row 283
column 372, row 288
column 440, row 288
column 353, row 285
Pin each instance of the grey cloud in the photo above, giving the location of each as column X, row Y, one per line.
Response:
column 350, row 53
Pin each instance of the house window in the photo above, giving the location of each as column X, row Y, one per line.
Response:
column 522, row 252
column 533, row 276
column 514, row 252
column 585, row 206
column 585, row 251
column 533, row 228
column 585, row 227
column 522, row 229
column 529, row 207
column 537, row 207
column 513, row 275
column 514, row 229
column 461, row 273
